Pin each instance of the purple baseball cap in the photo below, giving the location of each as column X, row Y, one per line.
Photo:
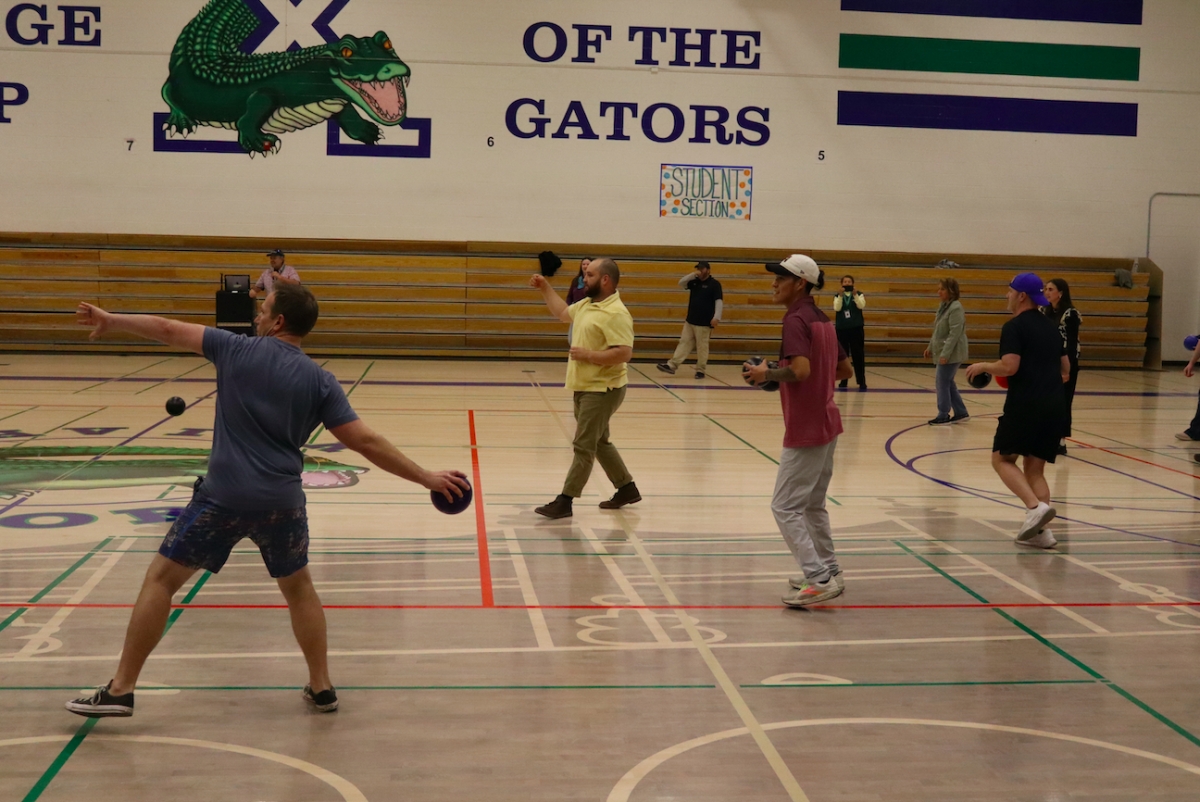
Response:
column 1031, row 285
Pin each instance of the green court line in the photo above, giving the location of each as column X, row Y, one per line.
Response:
column 320, row 428
column 41, row 594
column 203, row 364
column 164, row 493
column 82, row 732
column 668, row 555
column 743, row 440
column 20, row 412
column 982, row 57
column 922, row 684
column 186, row 600
column 659, row 386
column 40, row 786
column 1063, row 653
column 118, row 378
column 382, row 687
column 33, row 437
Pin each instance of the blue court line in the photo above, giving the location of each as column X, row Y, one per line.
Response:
column 1061, row 652
column 977, row 113
column 908, row 466
column 1110, row 12
column 656, row 386
column 981, row 491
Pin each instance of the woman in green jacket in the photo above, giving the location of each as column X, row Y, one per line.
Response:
column 948, row 347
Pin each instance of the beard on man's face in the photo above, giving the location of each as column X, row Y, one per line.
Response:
column 593, row 290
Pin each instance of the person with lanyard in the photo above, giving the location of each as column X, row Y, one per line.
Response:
column 1064, row 313
column 1034, row 358
column 848, row 321
column 705, row 304
column 277, row 272
column 601, row 347
column 810, row 361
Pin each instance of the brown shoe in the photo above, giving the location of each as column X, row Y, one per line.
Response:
column 559, row 508
column 625, row 495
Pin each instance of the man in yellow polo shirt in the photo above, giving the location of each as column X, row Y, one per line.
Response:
column 601, row 346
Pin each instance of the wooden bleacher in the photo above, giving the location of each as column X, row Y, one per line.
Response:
column 472, row 300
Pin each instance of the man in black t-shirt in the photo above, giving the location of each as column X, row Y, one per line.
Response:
column 705, row 305
column 1033, row 356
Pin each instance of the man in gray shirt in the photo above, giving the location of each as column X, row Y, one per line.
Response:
column 270, row 398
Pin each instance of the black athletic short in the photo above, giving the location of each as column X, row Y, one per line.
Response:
column 1036, row 438
column 205, row 533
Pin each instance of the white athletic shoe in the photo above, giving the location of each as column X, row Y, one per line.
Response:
column 1042, row 540
column 797, row 582
column 1036, row 520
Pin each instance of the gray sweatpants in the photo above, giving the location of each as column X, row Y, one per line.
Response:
column 799, row 508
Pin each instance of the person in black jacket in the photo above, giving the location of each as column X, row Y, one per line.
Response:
column 1064, row 313
column 705, row 303
column 850, row 327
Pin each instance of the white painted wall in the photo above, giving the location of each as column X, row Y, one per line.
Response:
column 1175, row 247
column 66, row 167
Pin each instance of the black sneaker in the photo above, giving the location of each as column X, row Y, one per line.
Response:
column 102, row 704
column 862, row 388
column 626, row 494
column 1062, row 449
column 1196, row 457
column 324, row 702
column 959, row 418
column 843, row 384
column 665, row 368
column 699, row 374
column 559, row 508
column 940, row 421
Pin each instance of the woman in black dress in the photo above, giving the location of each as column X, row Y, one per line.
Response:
column 1064, row 313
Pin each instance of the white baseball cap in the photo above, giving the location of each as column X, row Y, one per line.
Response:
column 798, row 265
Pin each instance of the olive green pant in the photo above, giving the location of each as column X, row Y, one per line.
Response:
column 592, row 414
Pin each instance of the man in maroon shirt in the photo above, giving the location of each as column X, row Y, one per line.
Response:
column 810, row 362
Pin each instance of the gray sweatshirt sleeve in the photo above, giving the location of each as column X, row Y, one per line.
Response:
column 683, row 282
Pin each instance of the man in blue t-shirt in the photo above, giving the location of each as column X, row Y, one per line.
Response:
column 270, row 398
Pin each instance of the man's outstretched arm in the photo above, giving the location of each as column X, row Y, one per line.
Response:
column 380, row 452
column 556, row 305
column 176, row 333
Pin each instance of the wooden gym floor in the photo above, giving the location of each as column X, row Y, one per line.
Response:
column 639, row 655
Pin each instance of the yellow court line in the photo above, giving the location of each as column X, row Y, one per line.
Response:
column 1139, row 588
column 489, row 651
column 648, row 617
column 52, row 626
column 776, row 761
column 537, row 618
column 1003, row 577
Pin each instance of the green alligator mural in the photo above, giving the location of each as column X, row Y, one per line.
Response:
column 25, row 470
column 212, row 82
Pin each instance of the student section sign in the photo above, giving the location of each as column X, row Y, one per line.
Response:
column 708, row 191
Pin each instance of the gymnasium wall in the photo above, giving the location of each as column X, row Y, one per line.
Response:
column 817, row 100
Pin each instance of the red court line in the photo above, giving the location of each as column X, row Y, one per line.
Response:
column 1135, row 459
column 963, row 606
column 485, row 561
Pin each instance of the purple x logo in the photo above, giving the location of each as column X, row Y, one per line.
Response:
column 267, row 23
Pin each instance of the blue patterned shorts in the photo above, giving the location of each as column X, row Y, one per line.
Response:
column 205, row 533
